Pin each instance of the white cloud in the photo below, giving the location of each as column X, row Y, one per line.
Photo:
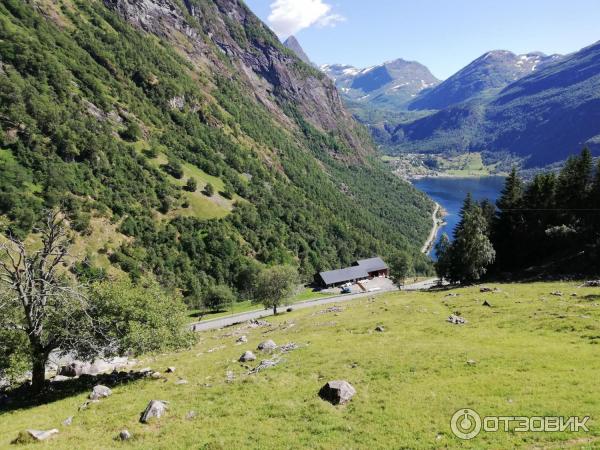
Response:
column 290, row 16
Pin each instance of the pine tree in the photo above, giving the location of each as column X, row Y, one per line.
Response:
column 444, row 257
column 471, row 252
column 509, row 221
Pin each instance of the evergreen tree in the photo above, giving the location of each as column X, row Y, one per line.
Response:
column 509, row 220
column 471, row 252
column 443, row 251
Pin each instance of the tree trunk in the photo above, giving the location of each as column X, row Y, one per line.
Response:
column 274, row 310
column 38, row 372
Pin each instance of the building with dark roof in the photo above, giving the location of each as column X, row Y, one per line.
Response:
column 363, row 269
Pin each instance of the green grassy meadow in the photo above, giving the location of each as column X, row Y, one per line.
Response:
column 536, row 355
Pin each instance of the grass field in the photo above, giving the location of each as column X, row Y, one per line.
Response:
column 536, row 355
column 245, row 306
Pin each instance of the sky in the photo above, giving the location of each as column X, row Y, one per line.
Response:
column 445, row 35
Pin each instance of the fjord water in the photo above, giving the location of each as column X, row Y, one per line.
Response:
column 451, row 192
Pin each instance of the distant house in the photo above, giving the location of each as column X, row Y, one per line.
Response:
column 363, row 269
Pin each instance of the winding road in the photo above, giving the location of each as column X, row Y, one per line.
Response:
column 434, row 230
column 222, row 322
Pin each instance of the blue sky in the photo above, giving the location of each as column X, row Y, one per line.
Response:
column 445, row 35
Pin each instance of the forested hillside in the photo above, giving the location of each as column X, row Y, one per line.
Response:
column 541, row 118
column 191, row 141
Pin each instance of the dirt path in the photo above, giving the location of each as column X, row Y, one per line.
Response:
column 437, row 223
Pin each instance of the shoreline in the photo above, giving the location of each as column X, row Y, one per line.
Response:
column 438, row 223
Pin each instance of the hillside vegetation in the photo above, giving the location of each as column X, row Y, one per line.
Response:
column 111, row 109
column 530, row 353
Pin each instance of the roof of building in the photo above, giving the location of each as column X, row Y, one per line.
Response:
column 372, row 264
column 342, row 275
column 360, row 269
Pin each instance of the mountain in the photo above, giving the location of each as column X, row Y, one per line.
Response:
column 543, row 117
column 389, row 85
column 186, row 143
column 493, row 70
column 293, row 44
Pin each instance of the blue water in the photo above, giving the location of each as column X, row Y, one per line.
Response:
column 451, row 192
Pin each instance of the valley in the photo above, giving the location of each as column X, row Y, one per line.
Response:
column 213, row 239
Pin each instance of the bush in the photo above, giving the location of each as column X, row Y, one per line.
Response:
column 209, row 190
column 218, row 298
column 140, row 318
column 191, row 185
column 132, row 132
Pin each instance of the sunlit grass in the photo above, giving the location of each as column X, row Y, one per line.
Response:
column 535, row 354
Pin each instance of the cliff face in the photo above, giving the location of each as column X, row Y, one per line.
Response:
column 225, row 37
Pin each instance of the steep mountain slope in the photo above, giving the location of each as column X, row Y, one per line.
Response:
column 107, row 108
column 293, row 44
column 494, row 70
column 389, row 85
column 542, row 117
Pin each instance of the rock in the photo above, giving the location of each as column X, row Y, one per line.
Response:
column 68, row 421
column 124, row 435
column 155, row 410
column 557, row 294
column 471, row 362
column 247, row 356
column 266, row 364
column 452, row 295
column 487, row 304
column 181, row 382
column 242, row 340
column 229, row 376
column 574, row 294
column 289, row 347
column 156, row 375
column 267, row 346
column 591, row 283
column 74, row 369
column 337, row 392
column 380, row 328
column 100, row 392
column 59, row 378
column 290, row 309
column 191, row 415
column 29, row 436
column 485, row 289
column 456, row 320
column 170, row 370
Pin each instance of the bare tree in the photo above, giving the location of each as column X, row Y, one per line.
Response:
column 39, row 300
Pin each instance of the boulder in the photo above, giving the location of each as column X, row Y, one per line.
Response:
column 74, row 369
column 68, row 421
column 591, row 283
column 170, row 370
column 247, row 356
column 267, row 346
column 100, row 392
column 380, row 328
column 181, row 381
column 191, row 415
column 485, row 289
column 471, row 362
column 29, row 436
column 487, row 304
column 155, row 410
column 242, row 340
column 290, row 346
column 557, row 294
column 337, row 392
column 124, row 435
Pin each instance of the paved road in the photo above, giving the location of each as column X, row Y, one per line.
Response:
column 258, row 314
